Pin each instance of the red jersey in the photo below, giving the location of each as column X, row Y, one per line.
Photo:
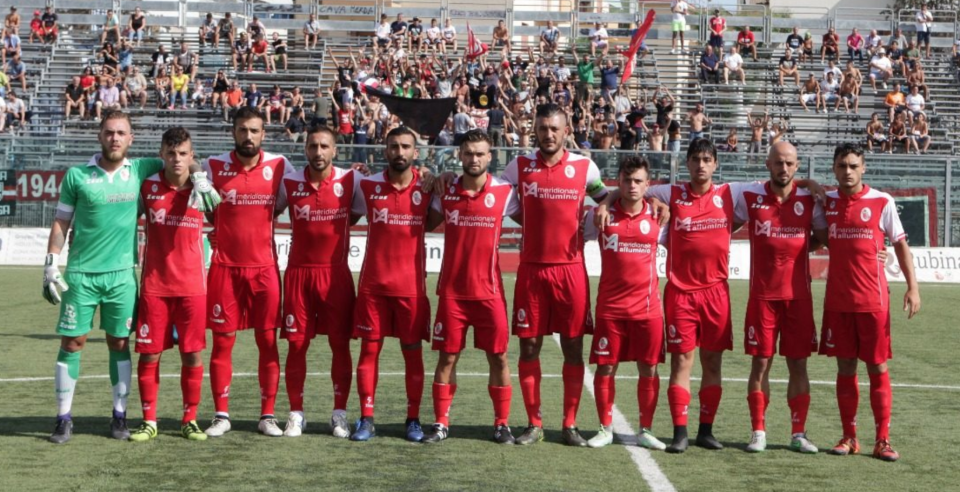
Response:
column 858, row 224
column 551, row 198
column 779, row 240
column 745, row 37
column 629, row 285
column 243, row 223
column 698, row 244
column 173, row 264
column 395, row 260
column 717, row 25
column 345, row 119
column 471, row 239
column 320, row 216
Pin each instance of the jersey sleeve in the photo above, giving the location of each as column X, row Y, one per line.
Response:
column 662, row 239
column 513, row 204
column 435, row 204
column 595, row 187
column 819, row 218
column 205, row 165
column 740, row 213
column 146, row 167
column 68, row 196
column 510, row 174
column 890, row 222
column 660, row 192
column 287, row 167
column 358, row 206
column 590, row 231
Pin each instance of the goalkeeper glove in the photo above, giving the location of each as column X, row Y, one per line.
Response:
column 52, row 279
column 203, row 198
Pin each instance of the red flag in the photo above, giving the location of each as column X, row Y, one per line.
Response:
column 635, row 42
column 474, row 47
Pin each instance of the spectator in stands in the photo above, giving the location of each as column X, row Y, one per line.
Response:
column 718, row 25
column 17, row 70
column 794, row 40
column 187, row 60
column 36, row 28
column 259, row 50
column 161, row 86
column 88, row 81
column 501, row 39
column 709, row 66
column 275, row 105
column 111, row 28
column 924, row 20
column 895, row 54
column 4, row 85
column 345, row 115
column 180, row 86
column 161, row 60
column 296, row 128
column 50, row 29
column 757, row 127
column 776, row 133
column 549, row 39
column 381, row 36
column 199, row 95
column 254, row 98
column 673, row 134
column 585, row 67
column 233, row 100
column 918, row 78
column 17, row 111
column 850, row 93
column 208, row 31
column 788, row 67
column 852, row 72
column 806, row 52
column 109, row 58
column 108, row 98
column 855, row 43
column 916, row 103
column 398, row 29
column 920, row 133
column 220, row 87
column 831, row 45
column 11, row 45
column 225, row 30
column 873, row 43
column 746, row 41
column 256, row 28
column 898, row 134
column 895, row 101
column 74, row 97
column 655, row 139
column 434, row 38
column 136, row 89
column 880, row 68
column 125, row 57
column 698, row 120
column 279, row 51
column 898, row 38
column 311, row 32
column 829, row 89
column 610, row 78
column 810, row 93
column 678, row 24
column 599, row 39
column 241, row 52
column 11, row 23
column 910, row 57
column 833, row 68
column 415, row 36
column 136, row 26
column 449, row 36
column 321, row 108
column 733, row 63
column 876, row 134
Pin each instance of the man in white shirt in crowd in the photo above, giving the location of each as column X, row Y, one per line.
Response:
column 733, row 63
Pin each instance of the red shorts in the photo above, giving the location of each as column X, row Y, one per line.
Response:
column 864, row 336
column 406, row 318
column 624, row 340
column 790, row 320
column 243, row 297
column 157, row 316
column 317, row 300
column 698, row 319
column 488, row 318
column 552, row 299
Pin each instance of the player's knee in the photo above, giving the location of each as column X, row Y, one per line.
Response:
column 191, row 359
column 847, row 367
column 647, row 371
column 117, row 344
column 150, row 358
column 411, row 346
column 605, row 370
column 72, row 344
column 877, row 368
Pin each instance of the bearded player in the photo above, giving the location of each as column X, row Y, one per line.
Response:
column 470, row 286
column 392, row 295
column 856, row 313
column 173, row 287
column 244, row 280
column 324, row 202
column 99, row 202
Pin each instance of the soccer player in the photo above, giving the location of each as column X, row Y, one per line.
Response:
column 173, row 287
column 780, row 218
column 324, row 202
column 244, row 281
column 392, row 299
column 470, row 286
column 552, row 293
column 856, row 315
column 629, row 316
column 99, row 201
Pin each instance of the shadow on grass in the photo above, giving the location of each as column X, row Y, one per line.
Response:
column 46, row 336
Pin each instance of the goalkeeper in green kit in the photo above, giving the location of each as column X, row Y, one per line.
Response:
column 99, row 201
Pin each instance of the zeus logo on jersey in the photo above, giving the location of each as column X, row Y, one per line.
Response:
column 534, row 190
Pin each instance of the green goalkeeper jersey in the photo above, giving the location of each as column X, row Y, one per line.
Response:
column 104, row 209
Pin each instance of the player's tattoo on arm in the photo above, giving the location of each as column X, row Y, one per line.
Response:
column 58, row 235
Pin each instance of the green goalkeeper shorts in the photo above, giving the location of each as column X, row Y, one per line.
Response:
column 114, row 292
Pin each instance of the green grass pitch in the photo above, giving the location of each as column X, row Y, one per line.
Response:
column 926, row 420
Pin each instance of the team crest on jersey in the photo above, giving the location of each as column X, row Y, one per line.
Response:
column 153, row 188
column 683, row 196
column 521, row 315
column 603, row 343
column 125, row 174
column 760, row 199
column 453, row 216
column 865, row 214
column 569, row 171
column 230, row 196
column 94, row 175
column 267, row 173
column 453, row 190
column 226, row 166
column 644, row 227
column 751, row 333
column 673, row 331
column 144, row 330
column 533, row 164
column 438, row 329
column 377, row 189
column 611, row 242
column 718, row 201
column 380, row 215
column 798, row 208
column 337, row 190
column 489, row 201
column 290, row 320
column 833, row 204
column 69, row 313
column 530, row 189
column 158, row 216
column 217, row 310
column 299, row 186
column 301, row 213
column 416, row 197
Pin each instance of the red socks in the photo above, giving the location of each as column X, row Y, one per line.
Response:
column 799, row 406
column 529, row 375
column 648, row 392
column 442, row 399
column 605, row 392
column 679, row 398
column 341, row 371
column 221, row 371
column 572, row 391
column 191, row 379
column 413, row 375
column 148, row 380
column 881, row 400
column 296, row 372
column 269, row 369
column 757, row 402
column 848, row 398
column 367, row 372
column 709, row 402
column 500, row 395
